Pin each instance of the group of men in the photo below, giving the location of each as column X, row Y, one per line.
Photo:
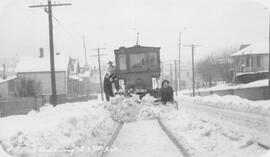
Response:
column 111, row 83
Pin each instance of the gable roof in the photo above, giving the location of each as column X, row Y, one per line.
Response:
column 253, row 49
column 37, row 64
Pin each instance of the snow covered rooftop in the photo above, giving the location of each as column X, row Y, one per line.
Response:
column 7, row 79
column 37, row 64
column 256, row 48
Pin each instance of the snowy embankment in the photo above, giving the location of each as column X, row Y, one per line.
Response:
column 203, row 133
column 205, row 138
column 67, row 128
column 231, row 102
column 259, row 83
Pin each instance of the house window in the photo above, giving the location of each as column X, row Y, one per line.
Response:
column 258, row 61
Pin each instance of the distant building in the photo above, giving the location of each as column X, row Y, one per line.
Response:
column 38, row 69
column 8, row 87
column 251, row 62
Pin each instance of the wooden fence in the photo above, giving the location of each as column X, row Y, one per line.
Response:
column 19, row 105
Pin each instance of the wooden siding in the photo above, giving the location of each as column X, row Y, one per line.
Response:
column 45, row 81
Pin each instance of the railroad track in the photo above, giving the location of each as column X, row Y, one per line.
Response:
column 174, row 142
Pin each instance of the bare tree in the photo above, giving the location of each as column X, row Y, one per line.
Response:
column 218, row 67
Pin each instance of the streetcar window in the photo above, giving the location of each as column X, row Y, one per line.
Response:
column 122, row 62
column 138, row 61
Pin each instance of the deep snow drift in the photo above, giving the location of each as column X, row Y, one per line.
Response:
column 67, row 128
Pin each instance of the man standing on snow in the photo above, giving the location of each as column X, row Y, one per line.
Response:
column 107, row 86
column 113, row 77
column 166, row 92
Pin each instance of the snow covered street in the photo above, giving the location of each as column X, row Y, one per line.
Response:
column 211, row 126
column 143, row 139
column 215, row 129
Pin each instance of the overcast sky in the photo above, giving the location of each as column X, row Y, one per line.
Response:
column 114, row 23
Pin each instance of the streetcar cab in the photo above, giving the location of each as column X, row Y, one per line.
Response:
column 137, row 66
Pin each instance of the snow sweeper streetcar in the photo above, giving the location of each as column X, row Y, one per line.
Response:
column 137, row 68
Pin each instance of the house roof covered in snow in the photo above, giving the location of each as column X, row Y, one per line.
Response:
column 38, row 64
column 253, row 49
column 7, row 79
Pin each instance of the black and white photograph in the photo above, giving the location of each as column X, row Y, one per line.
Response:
column 134, row 78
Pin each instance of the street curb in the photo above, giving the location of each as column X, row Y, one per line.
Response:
column 173, row 139
column 109, row 145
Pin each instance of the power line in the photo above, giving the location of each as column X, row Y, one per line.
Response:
column 60, row 23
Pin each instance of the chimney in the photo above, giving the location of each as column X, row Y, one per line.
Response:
column 41, row 52
column 4, row 73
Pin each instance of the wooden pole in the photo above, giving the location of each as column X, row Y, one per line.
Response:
column 176, row 81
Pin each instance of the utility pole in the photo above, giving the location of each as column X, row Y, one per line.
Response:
column 162, row 70
column 193, row 71
column 269, row 58
column 99, row 68
column 85, row 56
column 171, row 75
column 48, row 9
column 176, row 81
column 179, row 59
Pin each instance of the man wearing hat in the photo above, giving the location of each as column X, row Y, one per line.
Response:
column 113, row 78
column 166, row 92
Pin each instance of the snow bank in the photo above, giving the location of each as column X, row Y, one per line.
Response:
column 204, row 138
column 67, row 127
column 259, row 83
column 232, row 102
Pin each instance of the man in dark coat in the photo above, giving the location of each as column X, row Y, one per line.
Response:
column 107, row 85
column 166, row 92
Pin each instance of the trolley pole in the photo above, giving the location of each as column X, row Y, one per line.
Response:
column 48, row 9
column 193, row 69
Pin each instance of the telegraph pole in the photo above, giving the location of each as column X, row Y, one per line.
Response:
column 176, row 81
column 99, row 68
column 48, row 9
column 162, row 70
column 179, row 59
column 171, row 75
column 85, row 56
column 269, row 59
column 193, row 71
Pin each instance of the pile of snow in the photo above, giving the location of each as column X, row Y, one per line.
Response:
column 64, row 128
column 124, row 109
column 201, row 137
column 231, row 102
column 127, row 109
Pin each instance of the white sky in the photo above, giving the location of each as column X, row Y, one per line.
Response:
column 114, row 23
